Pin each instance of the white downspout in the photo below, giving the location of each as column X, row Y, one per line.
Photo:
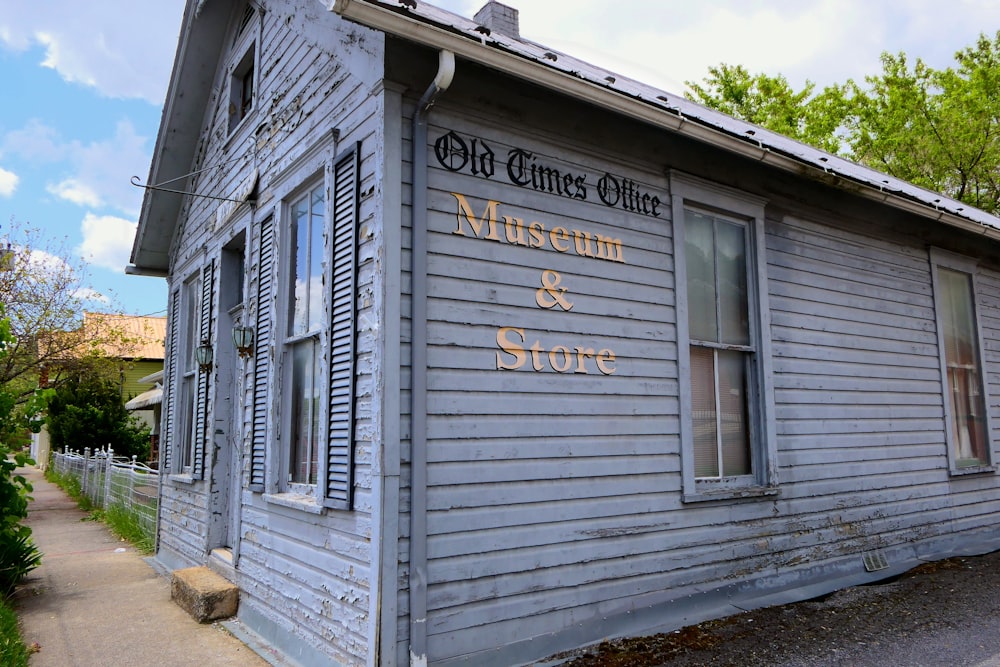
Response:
column 418, row 365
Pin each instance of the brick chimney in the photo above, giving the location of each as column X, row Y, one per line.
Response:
column 498, row 18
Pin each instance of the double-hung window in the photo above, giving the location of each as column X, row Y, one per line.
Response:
column 311, row 464
column 727, row 424
column 960, row 345
column 302, row 345
column 187, row 381
column 190, row 320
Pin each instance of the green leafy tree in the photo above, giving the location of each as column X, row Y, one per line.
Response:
column 769, row 101
column 86, row 410
column 939, row 129
column 51, row 338
column 44, row 288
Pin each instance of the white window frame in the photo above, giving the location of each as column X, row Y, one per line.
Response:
column 693, row 193
column 187, row 382
column 939, row 259
column 291, row 341
column 339, row 177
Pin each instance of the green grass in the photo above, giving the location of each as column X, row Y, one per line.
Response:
column 13, row 652
column 128, row 525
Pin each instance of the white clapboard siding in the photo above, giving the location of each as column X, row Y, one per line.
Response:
column 533, row 473
column 550, row 495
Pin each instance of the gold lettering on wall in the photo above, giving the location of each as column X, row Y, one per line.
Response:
column 536, row 235
column 551, row 294
column 515, row 353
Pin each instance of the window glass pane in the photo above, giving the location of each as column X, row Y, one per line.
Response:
column 185, row 424
column 305, row 413
column 958, row 320
column 189, row 326
column 733, row 423
column 703, row 413
column 961, row 352
column 316, row 259
column 307, row 256
column 700, row 254
column 732, row 267
column 300, row 267
column 246, row 92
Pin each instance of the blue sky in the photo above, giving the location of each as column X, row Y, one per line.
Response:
column 82, row 88
column 82, row 85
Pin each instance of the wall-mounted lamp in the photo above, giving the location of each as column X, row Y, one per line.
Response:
column 243, row 339
column 203, row 355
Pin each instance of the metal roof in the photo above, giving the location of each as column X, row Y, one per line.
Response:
column 421, row 22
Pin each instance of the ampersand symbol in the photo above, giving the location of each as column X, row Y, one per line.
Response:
column 551, row 294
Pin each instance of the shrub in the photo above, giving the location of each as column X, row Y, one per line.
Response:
column 18, row 554
column 87, row 411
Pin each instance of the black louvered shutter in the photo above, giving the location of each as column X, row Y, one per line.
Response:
column 261, row 354
column 339, row 478
column 170, row 385
column 204, row 377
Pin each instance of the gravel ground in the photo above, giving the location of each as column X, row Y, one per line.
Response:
column 942, row 614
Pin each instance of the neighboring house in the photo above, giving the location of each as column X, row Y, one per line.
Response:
column 134, row 342
column 138, row 344
column 541, row 355
column 147, row 405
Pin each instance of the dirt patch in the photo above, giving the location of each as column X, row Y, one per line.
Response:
column 854, row 626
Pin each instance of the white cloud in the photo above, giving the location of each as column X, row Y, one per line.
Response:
column 96, row 174
column 87, row 294
column 35, row 142
column 667, row 42
column 107, row 241
column 42, row 261
column 106, row 167
column 678, row 41
column 8, row 182
column 73, row 191
column 122, row 49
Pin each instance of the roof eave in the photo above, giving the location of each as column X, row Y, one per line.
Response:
column 191, row 80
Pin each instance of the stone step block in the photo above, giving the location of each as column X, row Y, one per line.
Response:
column 204, row 594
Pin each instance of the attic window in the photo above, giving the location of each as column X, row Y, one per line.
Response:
column 241, row 89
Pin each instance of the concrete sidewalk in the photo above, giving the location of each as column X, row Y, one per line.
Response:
column 95, row 601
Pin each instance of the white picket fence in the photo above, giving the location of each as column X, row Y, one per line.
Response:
column 109, row 481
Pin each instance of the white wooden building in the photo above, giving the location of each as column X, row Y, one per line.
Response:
column 540, row 355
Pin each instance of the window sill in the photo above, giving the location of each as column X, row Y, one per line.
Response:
column 238, row 129
column 730, row 493
column 972, row 470
column 295, row 501
column 182, row 478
